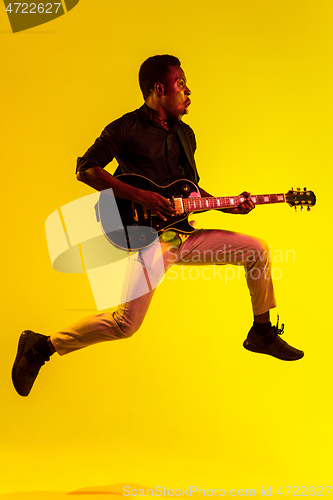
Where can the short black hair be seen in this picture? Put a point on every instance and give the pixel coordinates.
(155, 69)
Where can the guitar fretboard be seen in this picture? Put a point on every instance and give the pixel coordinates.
(193, 204)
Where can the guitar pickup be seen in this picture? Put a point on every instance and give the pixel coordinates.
(178, 205)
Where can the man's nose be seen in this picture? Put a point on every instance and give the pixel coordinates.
(187, 91)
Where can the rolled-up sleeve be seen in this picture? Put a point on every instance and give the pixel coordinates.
(108, 145)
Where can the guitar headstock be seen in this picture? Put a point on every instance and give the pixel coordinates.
(297, 198)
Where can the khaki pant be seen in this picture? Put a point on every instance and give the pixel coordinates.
(146, 269)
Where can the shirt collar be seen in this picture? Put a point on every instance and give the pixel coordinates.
(145, 116)
(144, 113)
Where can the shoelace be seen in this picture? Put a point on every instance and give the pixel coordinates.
(278, 330)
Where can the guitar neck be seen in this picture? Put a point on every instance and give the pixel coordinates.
(196, 204)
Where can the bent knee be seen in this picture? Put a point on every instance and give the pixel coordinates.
(260, 251)
(263, 246)
(260, 246)
(126, 332)
(125, 328)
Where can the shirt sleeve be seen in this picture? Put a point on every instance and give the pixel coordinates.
(108, 145)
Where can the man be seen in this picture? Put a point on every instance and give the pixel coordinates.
(154, 142)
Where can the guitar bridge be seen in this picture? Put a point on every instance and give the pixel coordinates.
(178, 205)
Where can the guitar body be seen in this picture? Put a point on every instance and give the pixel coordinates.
(137, 228)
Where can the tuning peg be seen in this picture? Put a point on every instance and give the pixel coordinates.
(295, 208)
(298, 189)
(305, 189)
(308, 209)
(292, 189)
(301, 208)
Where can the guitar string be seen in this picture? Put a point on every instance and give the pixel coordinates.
(225, 202)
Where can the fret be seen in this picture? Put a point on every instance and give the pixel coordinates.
(277, 198)
(197, 203)
(268, 198)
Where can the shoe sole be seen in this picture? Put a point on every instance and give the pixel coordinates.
(261, 350)
(19, 353)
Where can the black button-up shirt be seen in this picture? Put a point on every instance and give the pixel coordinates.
(143, 146)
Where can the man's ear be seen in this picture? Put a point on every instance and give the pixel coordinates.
(159, 88)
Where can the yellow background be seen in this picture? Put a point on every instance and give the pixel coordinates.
(181, 402)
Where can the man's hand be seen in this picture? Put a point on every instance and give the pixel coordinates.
(243, 208)
(156, 203)
(100, 179)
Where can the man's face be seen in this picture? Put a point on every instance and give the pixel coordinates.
(175, 100)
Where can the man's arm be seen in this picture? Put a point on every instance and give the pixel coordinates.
(244, 208)
(100, 179)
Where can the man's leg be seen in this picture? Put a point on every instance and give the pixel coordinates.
(144, 272)
(219, 247)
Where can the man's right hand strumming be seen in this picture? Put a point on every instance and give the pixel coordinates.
(100, 179)
(156, 203)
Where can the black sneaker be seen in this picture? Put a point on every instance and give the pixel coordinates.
(27, 363)
(272, 344)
